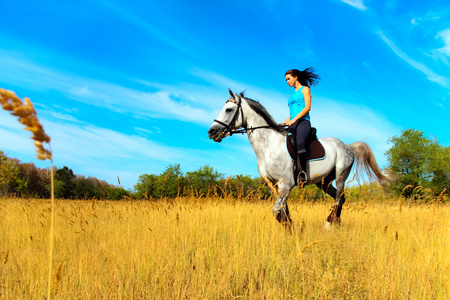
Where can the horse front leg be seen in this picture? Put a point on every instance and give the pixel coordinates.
(280, 209)
(281, 212)
(280, 192)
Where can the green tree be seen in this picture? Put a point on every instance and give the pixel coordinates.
(418, 161)
(9, 171)
(33, 181)
(59, 190)
(22, 187)
(116, 193)
(67, 177)
(439, 167)
(172, 181)
(203, 180)
(241, 186)
(147, 186)
(87, 187)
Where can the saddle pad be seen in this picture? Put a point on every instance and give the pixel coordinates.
(316, 150)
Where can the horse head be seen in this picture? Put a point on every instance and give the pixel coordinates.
(230, 118)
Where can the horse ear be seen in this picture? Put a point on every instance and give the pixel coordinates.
(231, 93)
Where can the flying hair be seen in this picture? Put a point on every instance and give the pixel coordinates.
(307, 77)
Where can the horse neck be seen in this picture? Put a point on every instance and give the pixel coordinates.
(261, 139)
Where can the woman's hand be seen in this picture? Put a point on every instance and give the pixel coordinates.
(288, 123)
(285, 123)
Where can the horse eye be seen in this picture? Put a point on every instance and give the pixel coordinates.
(228, 110)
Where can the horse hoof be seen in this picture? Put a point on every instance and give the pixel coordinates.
(327, 226)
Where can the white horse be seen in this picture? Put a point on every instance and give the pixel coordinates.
(274, 163)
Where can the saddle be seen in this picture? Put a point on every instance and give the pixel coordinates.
(314, 148)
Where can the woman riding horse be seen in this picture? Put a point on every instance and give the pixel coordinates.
(299, 107)
(268, 140)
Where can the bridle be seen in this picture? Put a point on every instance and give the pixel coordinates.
(230, 126)
(243, 130)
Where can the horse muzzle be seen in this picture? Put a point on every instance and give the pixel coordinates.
(216, 134)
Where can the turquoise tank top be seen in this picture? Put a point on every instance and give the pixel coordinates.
(296, 104)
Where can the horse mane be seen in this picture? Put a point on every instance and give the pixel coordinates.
(261, 110)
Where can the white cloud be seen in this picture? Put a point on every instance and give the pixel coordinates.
(431, 75)
(82, 142)
(356, 4)
(143, 132)
(445, 36)
(16, 142)
(163, 104)
(444, 52)
(430, 17)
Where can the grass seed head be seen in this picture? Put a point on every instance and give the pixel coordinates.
(27, 116)
(308, 246)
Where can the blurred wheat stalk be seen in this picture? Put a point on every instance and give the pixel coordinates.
(27, 115)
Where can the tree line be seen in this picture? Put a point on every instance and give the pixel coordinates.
(28, 181)
(417, 164)
(204, 182)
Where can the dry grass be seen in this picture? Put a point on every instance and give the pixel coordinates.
(223, 249)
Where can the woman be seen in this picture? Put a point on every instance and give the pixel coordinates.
(299, 107)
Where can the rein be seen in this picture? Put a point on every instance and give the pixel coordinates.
(233, 121)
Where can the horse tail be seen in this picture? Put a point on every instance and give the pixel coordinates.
(365, 161)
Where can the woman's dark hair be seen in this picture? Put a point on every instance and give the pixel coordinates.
(307, 77)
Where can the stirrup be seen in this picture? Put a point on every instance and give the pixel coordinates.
(302, 177)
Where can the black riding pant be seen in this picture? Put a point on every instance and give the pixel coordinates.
(302, 129)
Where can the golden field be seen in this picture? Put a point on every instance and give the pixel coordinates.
(194, 248)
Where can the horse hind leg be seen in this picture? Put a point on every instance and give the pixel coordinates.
(336, 193)
(326, 187)
(335, 215)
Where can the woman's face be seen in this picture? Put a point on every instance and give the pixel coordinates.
(291, 80)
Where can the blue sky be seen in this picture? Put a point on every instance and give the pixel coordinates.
(128, 87)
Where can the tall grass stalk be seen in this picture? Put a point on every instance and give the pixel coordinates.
(27, 115)
(51, 235)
